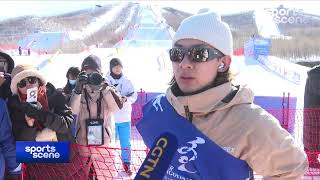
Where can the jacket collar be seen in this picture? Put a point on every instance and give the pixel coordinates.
(209, 100)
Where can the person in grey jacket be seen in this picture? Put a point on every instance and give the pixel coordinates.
(123, 117)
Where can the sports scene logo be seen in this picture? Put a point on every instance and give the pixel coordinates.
(283, 15)
(43, 152)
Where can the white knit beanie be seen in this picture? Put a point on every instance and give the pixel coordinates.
(207, 27)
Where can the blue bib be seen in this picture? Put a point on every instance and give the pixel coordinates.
(197, 157)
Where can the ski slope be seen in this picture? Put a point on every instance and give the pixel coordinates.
(145, 58)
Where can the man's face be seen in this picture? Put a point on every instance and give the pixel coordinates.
(3, 64)
(193, 76)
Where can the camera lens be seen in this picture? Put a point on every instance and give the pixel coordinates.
(95, 78)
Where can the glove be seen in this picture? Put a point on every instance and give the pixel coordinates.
(33, 110)
(81, 80)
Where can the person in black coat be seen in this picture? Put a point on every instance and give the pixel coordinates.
(48, 118)
(311, 122)
(50, 113)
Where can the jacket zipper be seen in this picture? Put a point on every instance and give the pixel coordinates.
(188, 113)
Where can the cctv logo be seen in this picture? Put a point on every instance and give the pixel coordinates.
(42, 152)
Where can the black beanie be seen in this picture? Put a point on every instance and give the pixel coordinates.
(114, 62)
(73, 71)
(9, 61)
(91, 62)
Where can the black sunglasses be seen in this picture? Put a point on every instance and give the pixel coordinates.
(197, 54)
(30, 79)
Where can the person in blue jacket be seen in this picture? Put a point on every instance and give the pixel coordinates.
(7, 146)
(122, 117)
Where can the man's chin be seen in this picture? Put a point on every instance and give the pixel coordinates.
(187, 90)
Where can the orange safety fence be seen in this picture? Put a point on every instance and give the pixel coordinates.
(105, 162)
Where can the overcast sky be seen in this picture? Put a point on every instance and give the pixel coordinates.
(227, 7)
(43, 7)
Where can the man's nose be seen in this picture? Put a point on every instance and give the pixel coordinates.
(186, 62)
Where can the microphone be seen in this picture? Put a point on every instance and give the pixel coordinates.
(159, 158)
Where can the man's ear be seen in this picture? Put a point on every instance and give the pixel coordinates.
(225, 63)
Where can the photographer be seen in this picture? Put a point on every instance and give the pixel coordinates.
(94, 101)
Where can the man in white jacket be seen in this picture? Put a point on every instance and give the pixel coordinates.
(123, 117)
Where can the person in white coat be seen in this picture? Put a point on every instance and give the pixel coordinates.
(123, 117)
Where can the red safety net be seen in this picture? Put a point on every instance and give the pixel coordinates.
(105, 162)
(86, 162)
(137, 107)
(304, 125)
(311, 140)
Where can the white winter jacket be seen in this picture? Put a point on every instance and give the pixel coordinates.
(125, 87)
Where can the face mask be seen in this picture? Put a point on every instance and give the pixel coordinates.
(72, 81)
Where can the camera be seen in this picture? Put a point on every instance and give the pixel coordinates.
(95, 78)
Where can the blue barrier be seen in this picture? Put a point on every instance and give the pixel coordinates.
(44, 41)
(256, 47)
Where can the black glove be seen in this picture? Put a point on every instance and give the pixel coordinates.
(81, 80)
(33, 110)
(45, 118)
